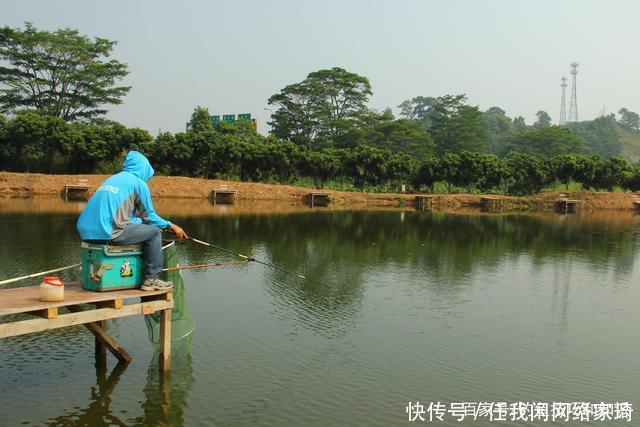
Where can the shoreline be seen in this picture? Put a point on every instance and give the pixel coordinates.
(24, 185)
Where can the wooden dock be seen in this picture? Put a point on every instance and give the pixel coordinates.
(318, 199)
(91, 309)
(491, 204)
(424, 202)
(223, 196)
(566, 206)
(76, 192)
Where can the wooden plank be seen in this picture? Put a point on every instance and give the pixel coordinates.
(26, 299)
(102, 335)
(64, 320)
(165, 340)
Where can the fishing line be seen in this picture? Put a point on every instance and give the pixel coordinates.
(275, 267)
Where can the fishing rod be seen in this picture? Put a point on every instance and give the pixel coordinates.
(275, 267)
(42, 273)
(211, 264)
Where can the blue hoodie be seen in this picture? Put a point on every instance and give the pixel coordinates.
(115, 202)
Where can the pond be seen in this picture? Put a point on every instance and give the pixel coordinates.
(399, 307)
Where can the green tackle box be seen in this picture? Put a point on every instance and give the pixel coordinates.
(110, 268)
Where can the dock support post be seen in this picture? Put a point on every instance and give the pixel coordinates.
(100, 348)
(165, 340)
(104, 338)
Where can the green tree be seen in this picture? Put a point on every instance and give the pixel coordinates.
(544, 120)
(607, 174)
(631, 180)
(470, 169)
(406, 109)
(400, 136)
(322, 166)
(528, 174)
(629, 120)
(600, 136)
(547, 141)
(366, 165)
(427, 174)
(324, 106)
(458, 127)
(200, 120)
(400, 168)
(498, 125)
(420, 109)
(62, 74)
(519, 123)
(7, 150)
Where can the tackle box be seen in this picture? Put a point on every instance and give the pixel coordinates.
(110, 268)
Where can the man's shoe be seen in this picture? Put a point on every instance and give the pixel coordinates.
(156, 285)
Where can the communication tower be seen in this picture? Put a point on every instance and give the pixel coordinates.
(563, 103)
(573, 107)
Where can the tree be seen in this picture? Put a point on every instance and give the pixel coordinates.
(7, 151)
(366, 165)
(570, 167)
(608, 174)
(544, 120)
(480, 170)
(548, 141)
(427, 173)
(631, 180)
(62, 74)
(458, 127)
(200, 120)
(519, 123)
(406, 109)
(529, 174)
(629, 120)
(600, 136)
(322, 165)
(420, 109)
(498, 125)
(400, 136)
(324, 106)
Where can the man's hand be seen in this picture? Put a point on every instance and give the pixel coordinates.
(178, 231)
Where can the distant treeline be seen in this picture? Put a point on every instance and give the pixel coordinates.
(30, 142)
(56, 86)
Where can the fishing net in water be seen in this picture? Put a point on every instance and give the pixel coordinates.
(182, 324)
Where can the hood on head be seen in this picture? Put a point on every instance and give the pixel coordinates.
(137, 164)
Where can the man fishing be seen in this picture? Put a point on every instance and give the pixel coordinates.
(110, 217)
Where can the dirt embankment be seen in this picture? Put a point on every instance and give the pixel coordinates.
(164, 187)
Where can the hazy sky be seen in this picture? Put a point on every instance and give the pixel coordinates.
(231, 56)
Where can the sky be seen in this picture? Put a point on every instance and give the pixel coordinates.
(232, 56)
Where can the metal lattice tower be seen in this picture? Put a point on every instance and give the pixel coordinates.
(563, 103)
(573, 106)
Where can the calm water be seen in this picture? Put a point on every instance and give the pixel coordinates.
(405, 306)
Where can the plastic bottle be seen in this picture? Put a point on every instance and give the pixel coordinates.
(51, 289)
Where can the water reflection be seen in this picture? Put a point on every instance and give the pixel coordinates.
(166, 396)
(99, 409)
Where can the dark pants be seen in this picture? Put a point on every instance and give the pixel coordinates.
(150, 238)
